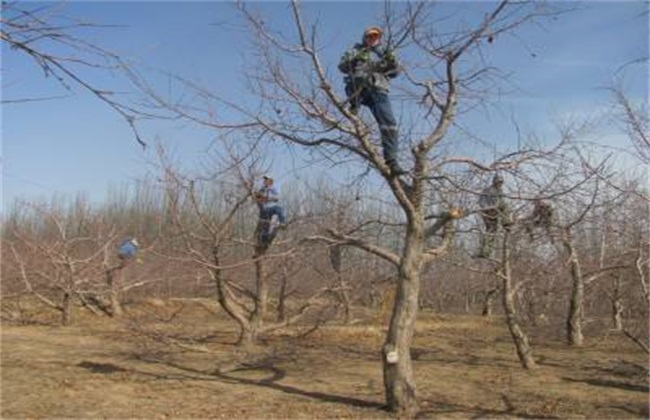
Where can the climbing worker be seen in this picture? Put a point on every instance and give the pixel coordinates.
(543, 216)
(494, 211)
(128, 250)
(368, 68)
(268, 198)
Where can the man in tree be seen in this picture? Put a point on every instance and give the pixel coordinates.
(542, 217)
(368, 69)
(495, 212)
(127, 251)
(268, 198)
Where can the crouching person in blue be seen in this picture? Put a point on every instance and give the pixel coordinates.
(268, 201)
(127, 251)
(368, 68)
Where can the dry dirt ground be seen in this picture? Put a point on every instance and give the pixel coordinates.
(178, 359)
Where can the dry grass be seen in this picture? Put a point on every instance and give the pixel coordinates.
(465, 368)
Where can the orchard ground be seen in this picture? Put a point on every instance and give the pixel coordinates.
(178, 358)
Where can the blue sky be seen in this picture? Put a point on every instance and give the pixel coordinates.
(77, 144)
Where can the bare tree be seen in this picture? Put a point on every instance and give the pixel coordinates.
(508, 291)
(634, 119)
(58, 257)
(213, 220)
(303, 108)
(51, 38)
(322, 107)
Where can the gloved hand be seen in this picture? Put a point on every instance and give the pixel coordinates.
(390, 57)
(361, 57)
(388, 62)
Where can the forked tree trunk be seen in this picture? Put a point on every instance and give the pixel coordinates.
(399, 382)
(522, 344)
(247, 336)
(574, 318)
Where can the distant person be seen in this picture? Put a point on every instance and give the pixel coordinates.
(268, 201)
(494, 212)
(368, 68)
(542, 217)
(128, 250)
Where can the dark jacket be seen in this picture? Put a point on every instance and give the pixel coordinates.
(369, 67)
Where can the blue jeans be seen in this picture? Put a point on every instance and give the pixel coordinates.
(380, 106)
(267, 213)
(266, 236)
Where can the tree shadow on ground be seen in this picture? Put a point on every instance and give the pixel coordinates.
(448, 410)
(641, 411)
(273, 373)
(443, 410)
(612, 384)
(432, 355)
(277, 374)
(104, 368)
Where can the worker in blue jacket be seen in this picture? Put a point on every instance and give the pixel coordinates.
(128, 249)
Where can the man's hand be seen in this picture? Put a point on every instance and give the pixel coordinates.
(361, 57)
(390, 57)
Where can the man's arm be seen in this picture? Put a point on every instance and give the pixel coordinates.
(273, 195)
(389, 65)
(348, 61)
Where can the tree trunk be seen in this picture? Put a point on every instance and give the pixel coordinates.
(617, 309)
(66, 308)
(489, 301)
(229, 304)
(574, 319)
(375, 296)
(344, 296)
(336, 261)
(617, 306)
(113, 290)
(398, 371)
(247, 337)
(282, 300)
(261, 294)
(524, 350)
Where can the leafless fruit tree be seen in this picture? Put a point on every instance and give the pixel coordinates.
(298, 103)
(310, 113)
(60, 258)
(214, 217)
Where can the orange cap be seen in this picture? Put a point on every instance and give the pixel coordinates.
(373, 30)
